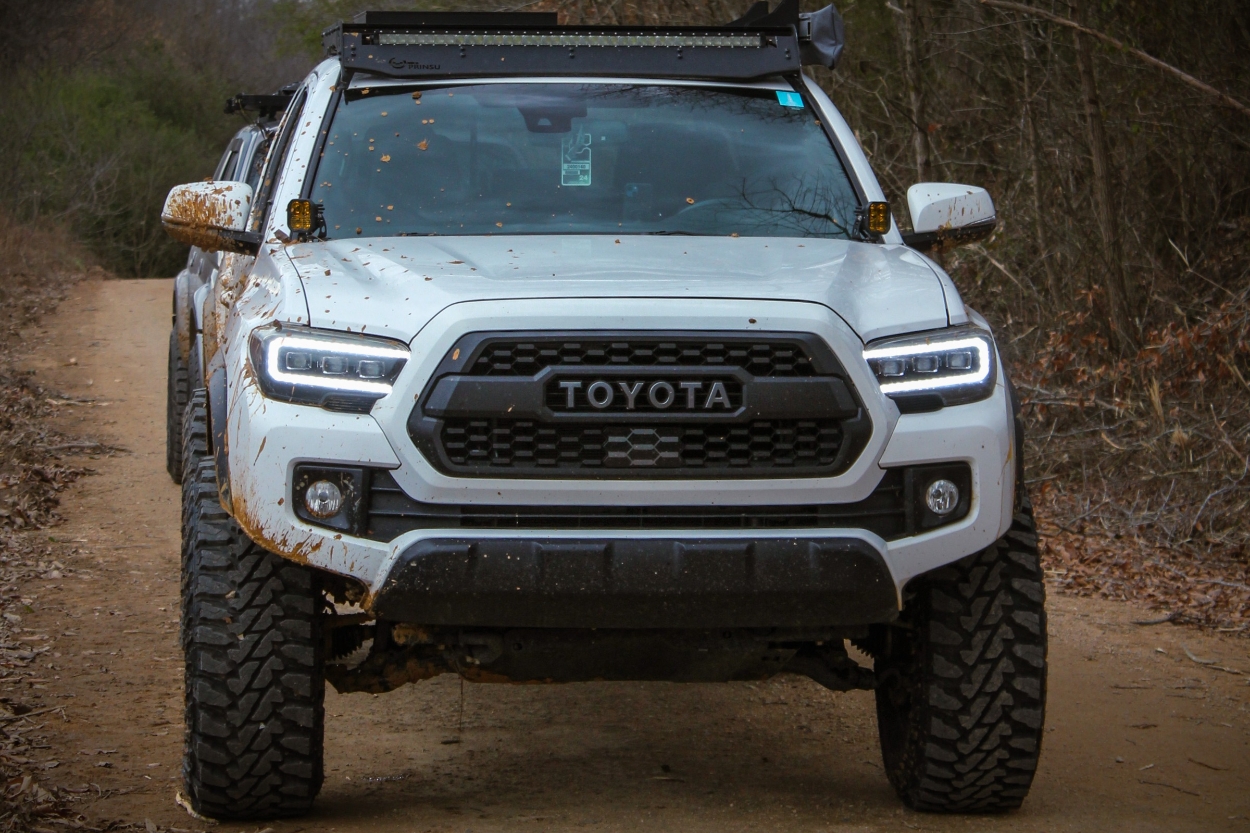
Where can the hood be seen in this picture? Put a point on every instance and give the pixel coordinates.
(394, 286)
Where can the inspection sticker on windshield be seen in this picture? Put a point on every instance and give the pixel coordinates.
(789, 99)
(575, 159)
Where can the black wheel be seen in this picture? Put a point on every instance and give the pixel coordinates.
(175, 406)
(255, 683)
(961, 693)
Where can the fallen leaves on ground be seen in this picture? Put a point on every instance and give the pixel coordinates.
(33, 473)
(1186, 586)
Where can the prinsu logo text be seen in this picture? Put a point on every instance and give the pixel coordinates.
(691, 396)
(401, 63)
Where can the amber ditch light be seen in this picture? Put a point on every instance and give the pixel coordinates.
(299, 216)
(878, 217)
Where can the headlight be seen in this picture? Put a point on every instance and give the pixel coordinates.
(338, 371)
(927, 372)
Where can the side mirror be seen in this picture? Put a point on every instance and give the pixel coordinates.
(211, 215)
(944, 216)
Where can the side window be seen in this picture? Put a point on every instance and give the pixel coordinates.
(225, 168)
(257, 163)
(274, 160)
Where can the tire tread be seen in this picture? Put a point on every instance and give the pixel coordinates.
(176, 398)
(961, 705)
(251, 638)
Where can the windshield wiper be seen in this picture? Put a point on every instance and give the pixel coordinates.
(674, 233)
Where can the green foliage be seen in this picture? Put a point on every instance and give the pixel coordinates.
(299, 23)
(98, 149)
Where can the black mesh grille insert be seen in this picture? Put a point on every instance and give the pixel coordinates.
(391, 513)
(528, 357)
(489, 443)
(645, 404)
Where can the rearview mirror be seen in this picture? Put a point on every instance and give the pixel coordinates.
(211, 215)
(944, 216)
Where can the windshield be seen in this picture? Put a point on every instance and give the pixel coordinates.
(580, 159)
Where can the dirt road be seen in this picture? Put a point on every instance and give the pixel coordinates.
(1140, 736)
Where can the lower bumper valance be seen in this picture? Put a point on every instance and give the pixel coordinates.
(639, 583)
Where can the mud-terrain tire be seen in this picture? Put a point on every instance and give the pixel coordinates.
(961, 692)
(176, 395)
(198, 484)
(255, 684)
(193, 441)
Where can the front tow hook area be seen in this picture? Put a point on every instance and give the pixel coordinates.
(832, 667)
(386, 655)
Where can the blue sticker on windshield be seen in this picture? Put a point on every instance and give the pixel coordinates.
(789, 99)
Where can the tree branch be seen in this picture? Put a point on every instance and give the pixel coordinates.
(1023, 8)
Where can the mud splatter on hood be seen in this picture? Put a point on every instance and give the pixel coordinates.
(393, 286)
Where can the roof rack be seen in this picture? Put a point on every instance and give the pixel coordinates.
(266, 107)
(422, 45)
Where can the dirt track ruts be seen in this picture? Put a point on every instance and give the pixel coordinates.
(1139, 736)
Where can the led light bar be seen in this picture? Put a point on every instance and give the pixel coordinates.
(566, 39)
(425, 45)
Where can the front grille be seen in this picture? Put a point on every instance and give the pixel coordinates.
(640, 405)
(485, 443)
(529, 356)
(391, 513)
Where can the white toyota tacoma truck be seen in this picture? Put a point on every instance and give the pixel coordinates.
(546, 354)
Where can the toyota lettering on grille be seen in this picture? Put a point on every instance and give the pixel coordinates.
(632, 395)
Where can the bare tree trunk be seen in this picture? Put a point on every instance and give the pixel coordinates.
(1118, 297)
(907, 19)
(1035, 165)
(1227, 99)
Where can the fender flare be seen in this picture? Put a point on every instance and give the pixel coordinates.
(219, 445)
(1017, 439)
(181, 318)
(195, 359)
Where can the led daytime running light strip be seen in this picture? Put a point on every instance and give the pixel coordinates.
(276, 373)
(555, 39)
(980, 345)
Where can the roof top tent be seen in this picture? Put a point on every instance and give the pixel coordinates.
(487, 44)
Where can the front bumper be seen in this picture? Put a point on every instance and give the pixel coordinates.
(268, 439)
(647, 582)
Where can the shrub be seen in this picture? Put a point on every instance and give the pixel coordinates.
(96, 150)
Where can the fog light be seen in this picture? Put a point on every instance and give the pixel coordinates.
(324, 500)
(942, 497)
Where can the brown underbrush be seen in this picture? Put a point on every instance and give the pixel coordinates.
(1140, 466)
